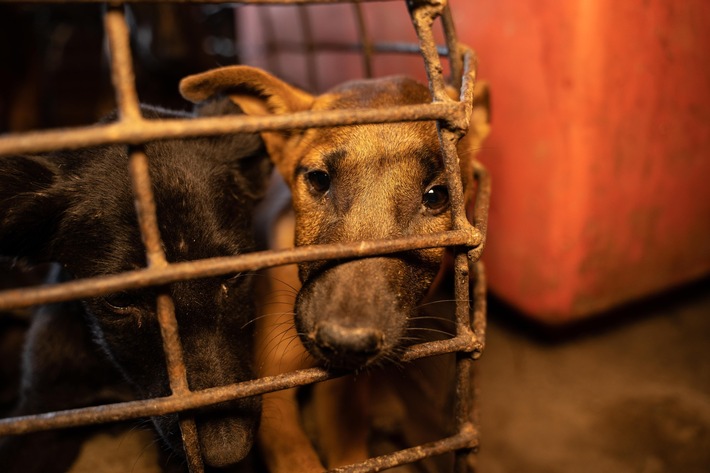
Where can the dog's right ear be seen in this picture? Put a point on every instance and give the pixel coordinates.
(30, 206)
(257, 93)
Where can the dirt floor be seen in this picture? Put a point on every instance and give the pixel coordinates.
(627, 393)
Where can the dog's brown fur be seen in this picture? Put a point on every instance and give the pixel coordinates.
(347, 184)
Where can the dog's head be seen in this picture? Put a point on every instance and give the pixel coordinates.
(77, 208)
(352, 183)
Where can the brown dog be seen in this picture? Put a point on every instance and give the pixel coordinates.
(347, 184)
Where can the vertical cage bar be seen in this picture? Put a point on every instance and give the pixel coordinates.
(122, 75)
(480, 211)
(463, 359)
(423, 15)
(479, 307)
(478, 276)
(463, 405)
(193, 454)
(145, 207)
(177, 373)
(129, 109)
(448, 140)
(364, 38)
(452, 44)
(310, 47)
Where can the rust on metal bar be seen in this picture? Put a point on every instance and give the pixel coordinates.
(123, 80)
(453, 46)
(151, 130)
(194, 399)
(467, 438)
(423, 14)
(145, 208)
(150, 233)
(191, 444)
(478, 318)
(122, 75)
(468, 84)
(177, 372)
(157, 406)
(478, 323)
(463, 405)
(172, 346)
(480, 209)
(98, 286)
(462, 293)
(375, 47)
(448, 140)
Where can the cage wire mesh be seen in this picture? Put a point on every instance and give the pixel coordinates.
(465, 238)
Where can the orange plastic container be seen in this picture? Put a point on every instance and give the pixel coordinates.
(600, 151)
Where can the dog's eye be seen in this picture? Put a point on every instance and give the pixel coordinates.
(232, 281)
(121, 302)
(319, 181)
(436, 199)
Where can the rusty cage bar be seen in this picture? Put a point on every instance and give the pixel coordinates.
(467, 240)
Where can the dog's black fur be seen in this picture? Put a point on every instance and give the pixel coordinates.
(76, 208)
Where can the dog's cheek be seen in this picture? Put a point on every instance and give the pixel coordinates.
(312, 227)
(238, 304)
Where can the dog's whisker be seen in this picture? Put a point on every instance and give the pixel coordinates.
(264, 316)
(434, 318)
(288, 285)
(441, 301)
(430, 330)
(276, 339)
(289, 291)
(143, 450)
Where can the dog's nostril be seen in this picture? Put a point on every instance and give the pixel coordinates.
(359, 340)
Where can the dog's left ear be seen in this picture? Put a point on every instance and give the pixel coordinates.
(30, 206)
(216, 107)
(257, 93)
(245, 150)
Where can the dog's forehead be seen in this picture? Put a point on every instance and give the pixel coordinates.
(201, 210)
(365, 149)
(362, 146)
(374, 93)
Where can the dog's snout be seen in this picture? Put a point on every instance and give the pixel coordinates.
(363, 341)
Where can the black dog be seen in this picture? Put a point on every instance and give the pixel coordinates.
(77, 209)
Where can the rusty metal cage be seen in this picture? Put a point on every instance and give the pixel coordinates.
(467, 239)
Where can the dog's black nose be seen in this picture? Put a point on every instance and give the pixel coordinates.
(357, 341)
